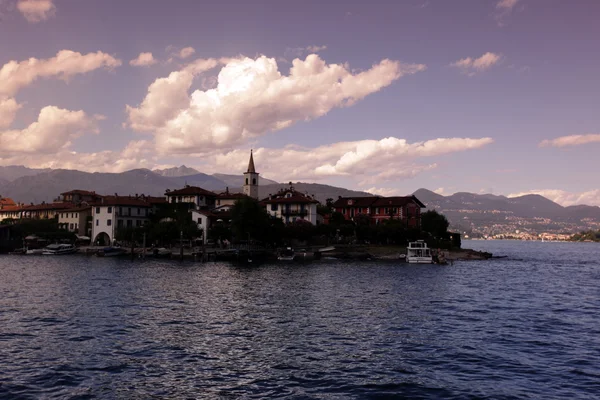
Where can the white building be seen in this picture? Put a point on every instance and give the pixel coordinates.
(205, 219)
(290, 205)
(201, 198)
(115, 212)
(76, 220)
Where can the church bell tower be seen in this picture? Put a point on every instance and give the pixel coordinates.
(251, 179)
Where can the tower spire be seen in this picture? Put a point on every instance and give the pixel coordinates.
(251, 164)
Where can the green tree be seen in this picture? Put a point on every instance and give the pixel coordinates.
(435, 223)
(249, 219)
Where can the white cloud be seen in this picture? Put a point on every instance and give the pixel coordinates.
(143, 60)
(384, 191)
(36, 10)
(16, 75)
(564, 198)
(8, 110)
(137, 154)
(315, 48)
(252, 98)
(470, 66)
(506, 4)
(367, 161)
(186, 52)
(571, 140)
(54, 130)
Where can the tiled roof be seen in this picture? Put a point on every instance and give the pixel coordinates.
(79, 209)
(226, 196)
(81, 192)
(395, 201)
(356, 202)
(155, 199)
(296, 198)
(7, 201)
(48, 206)
(190, 190)
(10, 208)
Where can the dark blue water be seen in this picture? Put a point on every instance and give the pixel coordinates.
(523, 327)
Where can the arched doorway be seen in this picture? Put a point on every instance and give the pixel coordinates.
(102, 239)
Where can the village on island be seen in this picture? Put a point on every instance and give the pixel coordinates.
(195, 222)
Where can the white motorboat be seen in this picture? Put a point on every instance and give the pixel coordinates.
(286, 255)
(34, 252)
(59, 249)
(418, 253)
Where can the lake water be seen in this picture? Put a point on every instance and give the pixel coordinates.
(527, 326)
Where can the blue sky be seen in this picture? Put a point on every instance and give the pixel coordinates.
(499, 80)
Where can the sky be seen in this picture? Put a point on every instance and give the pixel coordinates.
(483, 96)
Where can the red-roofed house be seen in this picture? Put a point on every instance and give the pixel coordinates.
(114, 212)
(291, 205)
(201, 198)
(407, 208)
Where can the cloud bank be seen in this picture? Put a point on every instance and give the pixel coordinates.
(571, 140)
(471, 66)
(36, 10)
(251, 99)
(143, 60)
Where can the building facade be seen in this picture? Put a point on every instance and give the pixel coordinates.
(290, 206)
(115, 212)
(76, 220)
(200, 198)
(377, 209)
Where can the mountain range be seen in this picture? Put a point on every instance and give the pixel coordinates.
(472, 213)
(29, 185)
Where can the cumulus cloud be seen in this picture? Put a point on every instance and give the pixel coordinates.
(36, 10)
(251, 99)
(470, 65)
(367, 161)
(143, 60)
(565, 198)
(53, 130)
(571, 140)
(15, 75)
(8, 110)
(186, 52)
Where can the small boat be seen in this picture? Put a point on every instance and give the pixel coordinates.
(59, 249)
(286, 255)
(418, 253)
(161, 252)
(110, 252)
(18, 252)
(34, 252)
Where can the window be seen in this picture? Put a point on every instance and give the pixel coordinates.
(129, 211)
(199, 221)
(97, 222)
(97, 210)
(254, 181)
(71, 226)
(75, 226)
(120, 210)
(109, 210)
(273, 207)
(246, 181)
(72, 215)
(108, 222)
(139, 211)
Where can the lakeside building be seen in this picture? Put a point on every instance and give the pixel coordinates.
(200, 198)
(377, 208)
(9, 209)
(290, 206)
(116, 212)
(44, 210)
(77, 220)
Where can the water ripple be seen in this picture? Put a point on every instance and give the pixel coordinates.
(521, 327)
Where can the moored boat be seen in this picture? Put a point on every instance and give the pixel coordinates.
(418, 253)
(110, 252)
(59, 249)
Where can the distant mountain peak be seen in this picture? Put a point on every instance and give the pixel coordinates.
(176, 171)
